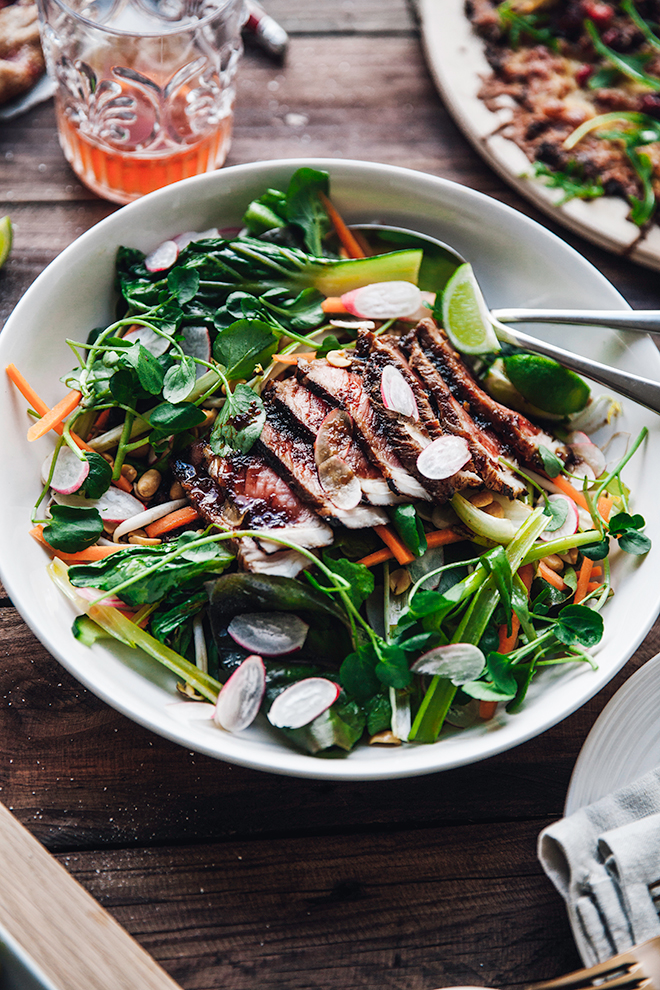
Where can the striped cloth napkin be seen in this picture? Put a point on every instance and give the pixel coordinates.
(605, 862)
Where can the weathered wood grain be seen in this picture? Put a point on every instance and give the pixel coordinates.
(408, 909)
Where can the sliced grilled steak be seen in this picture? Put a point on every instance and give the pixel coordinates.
(284, 444)
(345, 389)
(310, 411)
(243, 492)
(485, 447)
(515, 429)
(407, 437)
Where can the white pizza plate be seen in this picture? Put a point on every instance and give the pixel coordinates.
(455, 55)
(624, 742)
(518, 263)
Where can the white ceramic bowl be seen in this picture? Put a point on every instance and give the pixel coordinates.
(518, 263)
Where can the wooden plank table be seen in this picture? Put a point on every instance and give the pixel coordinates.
(238, 879)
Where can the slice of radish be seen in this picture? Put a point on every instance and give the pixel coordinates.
(196, 343)
(460, 662)
(69, 474)
(589, 453)
(383, 300)
(162, 257)
(302, 702)
(570, 524)
(113, 507)
(334, 436)
(338, 480)
(183, 240)
(152, 341)
(397, 394)
(239, 701)
(443, 458)
(271, 634)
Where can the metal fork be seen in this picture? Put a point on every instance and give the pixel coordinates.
(636, 969)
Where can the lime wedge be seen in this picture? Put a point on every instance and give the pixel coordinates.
(465, 315)
(6, 235)
(547, 384)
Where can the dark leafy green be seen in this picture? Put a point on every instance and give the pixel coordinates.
(239, 424)
(72, 529)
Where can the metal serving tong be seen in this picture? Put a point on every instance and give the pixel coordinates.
(645, 391)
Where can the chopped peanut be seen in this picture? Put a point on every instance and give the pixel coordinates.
(481, 499)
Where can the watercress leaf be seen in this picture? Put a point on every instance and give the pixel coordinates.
(239, 423)
(558, 512)
(622, 522)
(243, 345)
(485, 692)
(195, 551)
(393, 669)
(329, 343)
(578, 624)
(301, 313)
(147, 368)
(416, 643)
(124, 387)
(634, 542)
(99, 477)
(551, 463)
(596, 551)
(183, 283)
(304, 208)
(179, 380)
(500, 672)
(359, 577)
(173, 417)
(72, 529)
(357, 673)
(410, 528)
(379, 713)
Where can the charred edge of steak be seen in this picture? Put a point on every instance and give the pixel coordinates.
(406, 437)
(346, 389)
(485, 448)
(204, 493)
(515, 429)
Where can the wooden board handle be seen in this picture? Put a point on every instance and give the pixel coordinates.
(70, 937)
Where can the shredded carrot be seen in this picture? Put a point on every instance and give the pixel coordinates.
(584, 577)
(37, 402)
(567, 489)
(593, 586)
(596, 572)
(507, 641)
(55, 416)
(102, 419)
(123, 483)
(605, 506)
(81, 557)
(487, 709)
(294, 358)
(440, 537)
(333, 304)
(379, 557)
(181, 517)
(345, 236)
(551, 576)
(396, 544)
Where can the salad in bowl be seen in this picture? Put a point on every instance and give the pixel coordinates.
(298, 471)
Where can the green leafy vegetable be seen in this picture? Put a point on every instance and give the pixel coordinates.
(627, 528)
(304, 208)
(240, 422)
(143, 582)
(578, 624)
(243, 345)
(410, 528)
(571, 179)
(72, 529)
